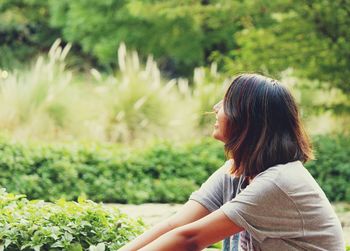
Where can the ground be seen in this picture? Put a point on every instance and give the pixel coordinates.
(153, 213)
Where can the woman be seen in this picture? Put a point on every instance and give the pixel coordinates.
(262, 198)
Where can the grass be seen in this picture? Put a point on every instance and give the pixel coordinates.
(134, 105)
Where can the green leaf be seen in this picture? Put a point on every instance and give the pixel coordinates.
(7, 243)
(37, 247)
(99, 247)
(75, 247)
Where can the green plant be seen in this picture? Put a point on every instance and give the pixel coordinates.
(136, 104)
(331, 168)
(83, 225)
(24, 31)
(161, 172)
(179, 36)
(141, 104)
(31, 100)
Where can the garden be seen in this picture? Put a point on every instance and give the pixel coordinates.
(107, 104)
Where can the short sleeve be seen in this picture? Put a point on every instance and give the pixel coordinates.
(265, 211)
(210, 194)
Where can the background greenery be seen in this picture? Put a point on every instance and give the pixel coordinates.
(303, 43)
(270, 36)
(49, 101)
(108, 99)
(161, 172)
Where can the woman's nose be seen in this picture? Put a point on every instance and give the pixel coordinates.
(217, 106)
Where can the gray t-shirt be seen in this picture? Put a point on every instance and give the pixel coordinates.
(283, 208)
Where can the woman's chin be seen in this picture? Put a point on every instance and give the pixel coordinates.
(217, 136)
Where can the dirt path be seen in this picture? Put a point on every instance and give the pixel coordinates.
(150, 213)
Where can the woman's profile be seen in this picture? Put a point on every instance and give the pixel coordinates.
(262, 198)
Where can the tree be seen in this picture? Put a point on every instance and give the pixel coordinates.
(180, 34)
(24, 30)
(311, 37)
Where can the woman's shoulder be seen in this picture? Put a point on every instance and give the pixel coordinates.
(294, 168)
(292, 178)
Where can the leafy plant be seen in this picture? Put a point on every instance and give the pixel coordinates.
(332, 166)
(83, 225)
(162, 172)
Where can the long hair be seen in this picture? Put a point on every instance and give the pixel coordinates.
(264, 128)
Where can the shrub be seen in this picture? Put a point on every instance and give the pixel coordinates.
(332, 166)
(161, 172)
(39, 225)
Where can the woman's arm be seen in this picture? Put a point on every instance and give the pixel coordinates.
(197, 235)
(190, 212)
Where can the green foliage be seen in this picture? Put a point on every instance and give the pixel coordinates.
(39, 225)
(178, 35)
(49, 102)
(322, 110)
(309, 36)
(159, 173)
(252, 35)
(332, 166)
(24, 31)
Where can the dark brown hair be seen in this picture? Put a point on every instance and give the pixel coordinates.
(264, 127)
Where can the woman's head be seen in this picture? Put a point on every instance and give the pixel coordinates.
(258, 121)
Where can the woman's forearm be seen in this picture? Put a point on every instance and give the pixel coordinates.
(148, 236)
(190, 212)
(175, 240)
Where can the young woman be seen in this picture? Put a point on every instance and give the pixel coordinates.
(262, 198)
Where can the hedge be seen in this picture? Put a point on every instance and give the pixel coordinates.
(72, 226)
(161, 172)
(331, 168)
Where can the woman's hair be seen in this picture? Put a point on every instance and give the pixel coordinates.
(264, 128)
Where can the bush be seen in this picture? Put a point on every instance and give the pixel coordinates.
(331, 168)
(39, 225)
(162, 172)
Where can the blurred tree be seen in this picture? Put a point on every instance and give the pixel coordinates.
(24, 30)
(180, 34)
(312, 37)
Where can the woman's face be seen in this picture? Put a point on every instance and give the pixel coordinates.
(220, 126)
